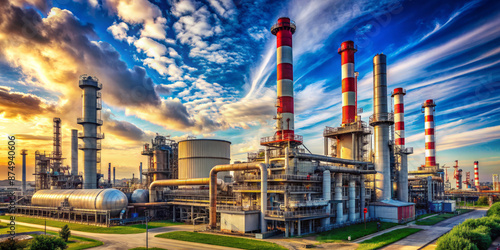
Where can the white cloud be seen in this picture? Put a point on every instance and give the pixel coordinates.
(119, 32)
(155, 28)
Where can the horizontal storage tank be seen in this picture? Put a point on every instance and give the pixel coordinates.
(140, 196)
(197, 157)
(100, 199)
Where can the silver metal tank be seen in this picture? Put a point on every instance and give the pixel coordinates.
(101, 199)
(140, 196)
(197, 157)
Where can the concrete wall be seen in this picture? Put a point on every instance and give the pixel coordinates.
(240, 221)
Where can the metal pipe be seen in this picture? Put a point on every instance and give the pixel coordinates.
(176, 182)
(325, 146)
(352, 200)
(362, 195)
(429, 188)
(327, 195)
(287, 158)
(338, 198)
(140, 173)
(381, 122)
(238, 167)
(114, 175)
(109, 173)
(24, 152)
(74, 152)
(325, 158)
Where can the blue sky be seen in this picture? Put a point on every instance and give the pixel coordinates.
(208, 68)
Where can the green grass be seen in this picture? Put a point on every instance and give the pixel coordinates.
(219, 240)
(470, 204)
(355, 231)
(441, 217)
(387, 238)
(423, 216)
(150, 248)
(131, 229)
(435, 219)
(74, 242)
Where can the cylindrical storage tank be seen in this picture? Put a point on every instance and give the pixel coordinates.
(198, 157)
(101, 199)
(140, 196)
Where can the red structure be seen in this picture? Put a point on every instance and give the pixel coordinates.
(430, 146)
(349, 111)
(283, 30)
(399, 112)
(476, 175)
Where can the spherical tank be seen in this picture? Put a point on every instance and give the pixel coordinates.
(198, 157)
(102, 199)
(140, 196)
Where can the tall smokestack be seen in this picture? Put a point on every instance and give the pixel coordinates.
(74, 152)
(109, 173)
(430, 147)
(347, 51)
(24, 152)
(140, 173)
(399, 139)
(114, 180)
(381, 120)
(283, 30)
(476, 175)
(91, 124)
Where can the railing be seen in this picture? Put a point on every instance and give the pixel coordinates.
(382, 117)
(355, 126)
(89, 120)
(311, 203)
(287, 137)
(97, 135)
(238, 208)
(86, 80)
(279, 188)
(290, 24)
(83, 146)
(280, 213)
(286, 177)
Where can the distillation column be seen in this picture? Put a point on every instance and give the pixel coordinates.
(91, 123)
(74, 152)
(381, 120)
(399, 139)
(283, 30)
(140, 173)
(476, 175)
(352, 199)
(430, 147)
(109, 173)
(114, 175)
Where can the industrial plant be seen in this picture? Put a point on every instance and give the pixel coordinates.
(281, 189)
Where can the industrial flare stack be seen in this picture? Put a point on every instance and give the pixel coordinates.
(430, 146)
(349, 111)
(401, 151)
(283, 30)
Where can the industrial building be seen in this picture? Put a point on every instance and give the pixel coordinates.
(282, 188)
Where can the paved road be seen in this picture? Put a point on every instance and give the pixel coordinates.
(431, 233)
(127, 241)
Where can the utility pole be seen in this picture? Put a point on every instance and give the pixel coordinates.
(147, 217)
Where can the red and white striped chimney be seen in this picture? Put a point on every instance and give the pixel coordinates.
(283, 30)
(430, 146)
(349, 111)
(476, 174)
(399, 112)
